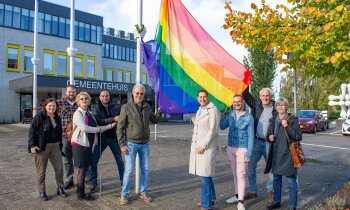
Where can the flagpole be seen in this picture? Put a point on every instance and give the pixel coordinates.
(35, 60)
(138, 79)
(71, 50)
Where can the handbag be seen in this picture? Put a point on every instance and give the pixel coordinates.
(69, 130)
(296, 151)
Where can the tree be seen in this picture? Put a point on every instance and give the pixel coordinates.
(262, 68)
(316, 32)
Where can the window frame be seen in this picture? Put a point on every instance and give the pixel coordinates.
(108, 70)
(123, 76)
(126, 72)
(52, 52)
(27, 48)
(17, 47)
(89, 57)
(82, 66)
(58, 67)
(146, 77)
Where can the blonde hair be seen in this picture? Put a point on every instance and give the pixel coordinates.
(77, 99)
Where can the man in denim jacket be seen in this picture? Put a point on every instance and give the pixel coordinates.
(240, 146)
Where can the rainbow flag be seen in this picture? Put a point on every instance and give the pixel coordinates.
(184, 58)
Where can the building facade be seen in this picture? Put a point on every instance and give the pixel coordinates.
(106, 59)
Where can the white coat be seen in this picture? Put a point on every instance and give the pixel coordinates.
(206, 126)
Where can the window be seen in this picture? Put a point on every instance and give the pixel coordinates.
(128, 76)
(1, 14)
(108, 74)
(25, 19)
(61, 27)
(16, 17)
(79, 65)
(62, 64)
(99, 35)
(87, 32)
(123, 53)
(48, 62)
(31, 20)
(81, 31)
(8, 15)
(40, 22)
(115, 51)
(12, 57)
(127, 53)
(119, 52)
(120, 76)
(111, 51)
(135, 55)
(144, 78)
(47, 24)
(76, 32)
(68, 28)
(28, 55)
(107, 50)
(103, 50)
(131, 58)
(54, 25)
(93, 33)
(91, 67)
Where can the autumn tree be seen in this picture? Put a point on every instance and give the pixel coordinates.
(315, 32)
(262, 68)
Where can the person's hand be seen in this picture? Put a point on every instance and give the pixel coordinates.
(124, 150)
(102, 130)
(34, 150)
(246, 160)
(159, 110)
(226, 111)
(284, 123)
(114, 124)
(200, 150)
(193, 118)
(271, 137)
(116, 119)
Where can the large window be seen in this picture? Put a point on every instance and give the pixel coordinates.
(25, 19)
(28, 55)
(107, 50)
(81, 31)
(111, 51)
(54, 25)
(31, 20)
(108, 74)
(79, 65)
(123, 53)
(144, 78)
(120, 75)
(99, 35)
(47, 24)
(119, 52)
(93, 33)
(115, 52)
(91, 67)
(128, 76)
(48, 61)
(87, 32)
(16, 17)
(68, 28)
(12, 57)
(76, 32)
(127, 54)
(62, 64)
(61, 27)
(8, 15)
(1, 14)
(40, 22)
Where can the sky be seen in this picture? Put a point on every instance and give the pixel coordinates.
(122, 15)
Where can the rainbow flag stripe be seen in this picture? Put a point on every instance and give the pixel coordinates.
(184, 58)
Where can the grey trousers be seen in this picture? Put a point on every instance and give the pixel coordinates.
(52, 153)
(68, 159)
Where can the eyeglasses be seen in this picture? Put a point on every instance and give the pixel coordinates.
(82, 99)
(139, 93)
(281, 105)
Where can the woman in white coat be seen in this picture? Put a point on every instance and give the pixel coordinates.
(204, 148)
(83, 139)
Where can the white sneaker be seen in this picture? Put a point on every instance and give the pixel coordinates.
(240, 206)
(233, 199)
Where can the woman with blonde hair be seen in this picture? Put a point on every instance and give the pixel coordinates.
(85, 127)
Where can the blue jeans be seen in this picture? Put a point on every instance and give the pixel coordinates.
(260, 148)
(144, 154)
(68, 159)
(96, 154)
(208, 192)
(293, 189)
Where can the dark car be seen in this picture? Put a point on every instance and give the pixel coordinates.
(311, 121)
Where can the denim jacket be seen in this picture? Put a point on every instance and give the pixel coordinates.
(241, 132)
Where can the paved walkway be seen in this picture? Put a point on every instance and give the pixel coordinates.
(170, 184)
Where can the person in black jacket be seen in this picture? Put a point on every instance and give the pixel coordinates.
(45, 142)
(106, 113)
(262, 109)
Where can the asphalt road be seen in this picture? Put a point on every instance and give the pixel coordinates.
(172, 187)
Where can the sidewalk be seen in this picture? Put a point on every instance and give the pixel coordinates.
(170, 184)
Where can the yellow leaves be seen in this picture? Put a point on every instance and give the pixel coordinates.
(328, 26)
(334, 59)
(339, 8)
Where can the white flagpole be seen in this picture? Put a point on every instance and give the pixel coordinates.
(71, 50)
(35, 60)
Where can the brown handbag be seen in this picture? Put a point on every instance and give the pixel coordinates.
(69, 130)
(296, 151)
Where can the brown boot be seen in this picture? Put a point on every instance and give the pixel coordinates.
(270, 197)
(250, 195)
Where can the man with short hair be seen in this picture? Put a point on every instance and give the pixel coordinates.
(106, 113)
(133, 134)
(66, 108)
(262, 110)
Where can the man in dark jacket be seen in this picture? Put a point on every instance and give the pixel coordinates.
(133, 134)
(262, 110)
(106, 113)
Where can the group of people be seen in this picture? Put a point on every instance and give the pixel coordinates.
(124, 129)
(262, 132)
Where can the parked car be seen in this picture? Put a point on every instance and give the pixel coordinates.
(311, 121)
(346, 126)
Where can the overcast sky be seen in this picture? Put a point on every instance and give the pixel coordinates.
(122, 15)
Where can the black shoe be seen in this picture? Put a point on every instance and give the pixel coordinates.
(275, 205)
(43, 196)
(93, 187)
(68, 185)
(61, 192)
(82, 195)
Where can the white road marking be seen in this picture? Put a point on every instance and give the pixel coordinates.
(317, 145)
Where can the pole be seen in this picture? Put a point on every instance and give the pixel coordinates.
(155, 111)
(295, 91)
(35, 60)
(138, 79)
(71, 50)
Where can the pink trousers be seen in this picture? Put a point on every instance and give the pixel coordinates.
(238, 167)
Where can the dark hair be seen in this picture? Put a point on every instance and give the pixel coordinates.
(47, 101)
(202, 91)
(71, 86)
(238, 95)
